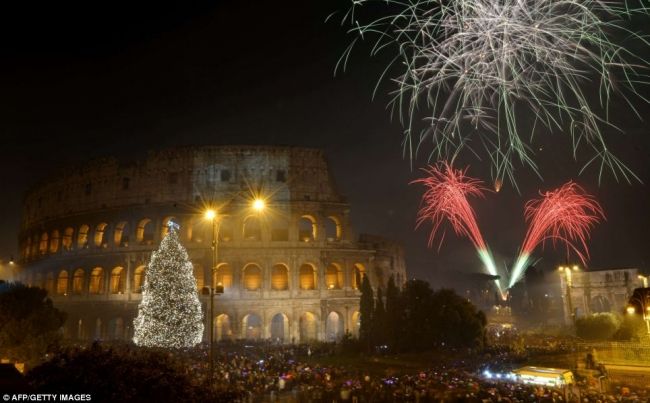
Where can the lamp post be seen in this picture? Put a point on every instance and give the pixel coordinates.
(258, 205)
(211, 290)
(645, 280)
(569, 283)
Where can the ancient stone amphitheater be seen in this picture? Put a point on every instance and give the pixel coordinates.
(290, 272)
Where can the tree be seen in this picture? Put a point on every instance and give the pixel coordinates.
(29, 323)
(417, 330)
(393, 313)
(458, 323)
(599, 326)
(169, 314)
(366, 307)
(379, 320)
(419, 319)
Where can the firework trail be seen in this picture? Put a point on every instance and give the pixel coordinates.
(445, 199)
(470, 67)
(564, 215)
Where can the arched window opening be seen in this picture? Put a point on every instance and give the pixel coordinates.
(42, 247)
(81, 334)
(54, 241)
(307, 276)
(96, 285)
(196, 229)
(117, 329)
(252, 327)
(252, 277)
(165, 227)
(358, 272)
(356, 323)
(62, 283)
(333, 277)
(280, 277)
(98, 329)
(600, 304)
(223, 275)
(27, 248)
(100, 235)
(308, 326)
(307, 229)
(279, 328)
(252, 229)
(78, 281)
(34, 251)
(138, 279)
(198, 275)
(67, 238)
(334, 327)
(50, 285)
(121, 234)
(144, 232)
(117, 280)
(222, 327)
(333, 229)
(225, 229)
(82, 237)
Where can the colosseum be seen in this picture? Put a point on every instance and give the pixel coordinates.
(290, 272)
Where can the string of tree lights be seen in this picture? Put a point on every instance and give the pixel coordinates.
(169, 314)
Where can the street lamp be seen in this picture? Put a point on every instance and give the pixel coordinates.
(645, 280)
(212, 216)
(258, 205)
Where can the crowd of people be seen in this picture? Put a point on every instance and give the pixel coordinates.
(275, 373)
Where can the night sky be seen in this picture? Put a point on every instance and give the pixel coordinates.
(84, 80)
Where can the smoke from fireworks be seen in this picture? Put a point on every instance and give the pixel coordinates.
(445, 199)
(472, 66)
(565, 215)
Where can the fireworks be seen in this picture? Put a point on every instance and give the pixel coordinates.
(472, 68)
(445, 199)
(565, 215)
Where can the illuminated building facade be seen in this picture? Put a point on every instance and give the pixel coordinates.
(290, 272)
(593, 291)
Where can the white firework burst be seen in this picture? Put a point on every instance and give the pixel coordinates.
(470, 69)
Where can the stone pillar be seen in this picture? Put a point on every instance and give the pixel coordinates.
(107, 280)
(295, 326)
(266, 324)
(128, 269)
(322, 334)
(293, 274)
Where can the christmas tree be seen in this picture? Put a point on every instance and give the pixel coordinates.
(169, 314)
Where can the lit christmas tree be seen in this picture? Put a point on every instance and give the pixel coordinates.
(169, 314)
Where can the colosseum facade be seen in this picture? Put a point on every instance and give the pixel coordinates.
(290, 272)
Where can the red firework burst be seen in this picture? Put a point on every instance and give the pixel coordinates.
(445, 198)
(565, 215)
